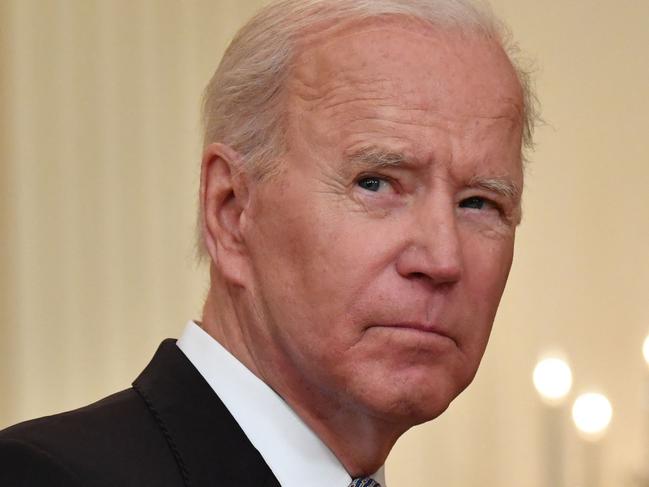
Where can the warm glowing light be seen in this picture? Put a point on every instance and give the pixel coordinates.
(552, 379)
(592, 413)
(645, 349)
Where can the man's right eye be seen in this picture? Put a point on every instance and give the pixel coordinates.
(372, 183)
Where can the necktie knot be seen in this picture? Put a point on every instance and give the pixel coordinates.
(364, 482)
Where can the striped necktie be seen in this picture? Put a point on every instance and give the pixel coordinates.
(364, 482)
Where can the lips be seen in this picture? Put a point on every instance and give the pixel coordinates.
(427, 328)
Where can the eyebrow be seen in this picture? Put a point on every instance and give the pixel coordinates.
(501, 186)
(376, 157)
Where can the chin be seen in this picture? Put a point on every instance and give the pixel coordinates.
(414, 413)
(414, 402)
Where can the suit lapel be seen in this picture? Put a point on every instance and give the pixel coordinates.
(209, 446)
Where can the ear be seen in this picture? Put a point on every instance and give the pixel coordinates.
(223, 198)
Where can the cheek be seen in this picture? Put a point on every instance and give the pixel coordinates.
(488, 258)
(487, 264)
(305, 262)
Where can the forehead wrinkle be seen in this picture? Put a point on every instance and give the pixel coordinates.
(324, 83)
(340, 89)
(377, 102)
(378, 95)
(435, 119)
(317, 85)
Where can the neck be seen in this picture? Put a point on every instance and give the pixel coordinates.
(360, 441)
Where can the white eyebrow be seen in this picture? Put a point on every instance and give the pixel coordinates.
(376, 157)
(501, 186)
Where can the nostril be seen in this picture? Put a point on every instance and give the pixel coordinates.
(418, 275)
(441, 285)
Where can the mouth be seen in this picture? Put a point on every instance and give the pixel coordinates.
(425, 330)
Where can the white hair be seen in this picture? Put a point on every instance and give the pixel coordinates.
(244, 101)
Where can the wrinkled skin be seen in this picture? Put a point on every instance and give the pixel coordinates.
(369, 271)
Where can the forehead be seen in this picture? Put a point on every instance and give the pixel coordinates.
(421, 71)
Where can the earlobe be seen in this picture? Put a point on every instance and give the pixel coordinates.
(223, 198)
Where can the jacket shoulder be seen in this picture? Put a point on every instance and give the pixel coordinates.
(112, 442)
(24, 465)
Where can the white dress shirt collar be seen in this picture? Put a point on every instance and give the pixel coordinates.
(292, 451)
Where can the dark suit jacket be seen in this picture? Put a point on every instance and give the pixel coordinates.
(169, 429)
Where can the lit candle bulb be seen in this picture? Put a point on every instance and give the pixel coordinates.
(552, 379)
(592, 413)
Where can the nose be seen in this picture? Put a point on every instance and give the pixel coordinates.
(433, 251)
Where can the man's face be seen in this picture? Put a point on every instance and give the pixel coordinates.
(380, 253)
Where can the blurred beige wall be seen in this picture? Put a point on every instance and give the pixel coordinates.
(5, 298)
(99, 143)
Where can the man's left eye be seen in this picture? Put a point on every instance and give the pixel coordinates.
(475, 203)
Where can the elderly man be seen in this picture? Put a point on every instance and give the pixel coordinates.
(360, 191)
